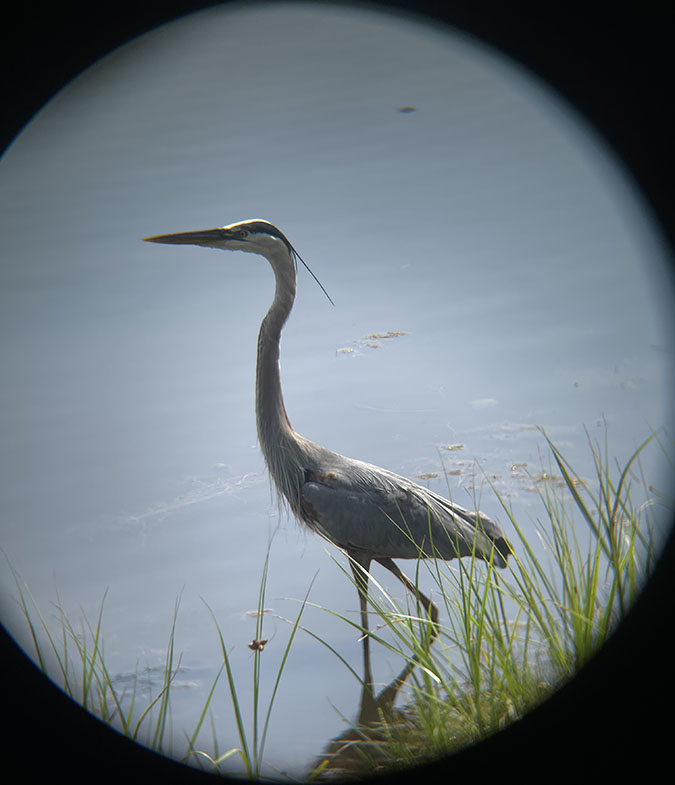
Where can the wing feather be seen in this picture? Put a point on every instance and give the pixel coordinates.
(380, 513)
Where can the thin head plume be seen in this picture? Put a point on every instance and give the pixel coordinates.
(309, 270)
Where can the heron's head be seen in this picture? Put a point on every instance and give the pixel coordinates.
(254, 236)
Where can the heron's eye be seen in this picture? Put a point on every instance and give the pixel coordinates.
(243, 233)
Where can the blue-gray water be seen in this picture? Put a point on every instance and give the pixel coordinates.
(488, 226)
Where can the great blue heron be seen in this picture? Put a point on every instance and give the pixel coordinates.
(370, 513)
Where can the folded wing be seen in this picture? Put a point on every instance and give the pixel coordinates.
(377, 512)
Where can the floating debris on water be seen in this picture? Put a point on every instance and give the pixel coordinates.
(371, 341)
(389, 334)
(551, 479)
(255, 614)
(452, 446)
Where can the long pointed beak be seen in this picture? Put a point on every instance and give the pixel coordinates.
(201, 237)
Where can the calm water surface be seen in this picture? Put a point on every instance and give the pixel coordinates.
(488, 227)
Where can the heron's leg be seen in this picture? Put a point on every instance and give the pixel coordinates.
(388, 695)
(360, 565)
(430, 607)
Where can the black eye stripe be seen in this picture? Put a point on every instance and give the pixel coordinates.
(262, 226)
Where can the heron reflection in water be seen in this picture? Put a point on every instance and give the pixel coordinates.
(370, 513)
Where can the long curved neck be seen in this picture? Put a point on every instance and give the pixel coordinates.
(274, 428)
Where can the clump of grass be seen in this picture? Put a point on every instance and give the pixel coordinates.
(509, 639)
(252, 743)
(75, 660)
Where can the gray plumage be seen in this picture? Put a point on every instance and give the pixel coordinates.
(369, 512)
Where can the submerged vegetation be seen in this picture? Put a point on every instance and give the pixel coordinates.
(507, 640)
